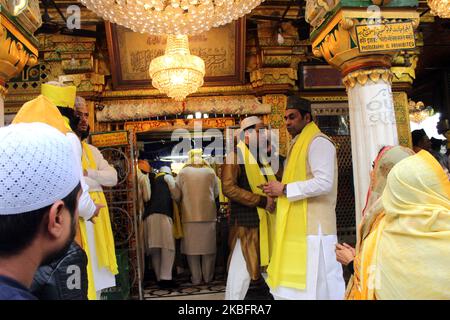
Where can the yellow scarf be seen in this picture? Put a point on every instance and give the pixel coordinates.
(222, 198)
(288, 263)
(255, 178)
(372, 215)
(177, 227)
(104, 239)
(407, 256)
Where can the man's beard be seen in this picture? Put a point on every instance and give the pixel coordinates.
(61, 253)
(84, 134)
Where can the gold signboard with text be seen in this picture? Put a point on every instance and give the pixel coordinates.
(385, 37)
(110, 139)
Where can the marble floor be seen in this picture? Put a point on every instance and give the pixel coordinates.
(186, 290)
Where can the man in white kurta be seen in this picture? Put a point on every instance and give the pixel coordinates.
(324, 276)
(196, 190)
(97, 174)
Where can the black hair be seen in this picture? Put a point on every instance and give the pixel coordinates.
(417, 136)
(304, 113)
(70, 114)
(83, 135)
(17, 231)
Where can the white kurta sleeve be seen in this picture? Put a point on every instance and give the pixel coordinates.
(86, 207)
(105, 174)
(321, 158)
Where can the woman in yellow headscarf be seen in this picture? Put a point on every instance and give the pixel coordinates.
(406, 255)
(387, 158)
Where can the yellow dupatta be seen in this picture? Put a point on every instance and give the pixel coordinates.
(103, 235)
(256, 178)
(288, 263)
(408, 256)
(177, 226)
(373, 213)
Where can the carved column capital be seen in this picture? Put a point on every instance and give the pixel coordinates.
(14, 56)
(340, 41)
(362, 77)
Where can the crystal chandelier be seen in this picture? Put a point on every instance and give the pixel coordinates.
(171, 16)
(440, 8)
(177, 73)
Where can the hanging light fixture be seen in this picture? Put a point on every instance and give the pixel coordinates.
(177, 73)
(440, 8)
(171, 16)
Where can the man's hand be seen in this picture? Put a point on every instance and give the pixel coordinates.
(98, 207)
(270, 206)
(345, 253)
(273, 189)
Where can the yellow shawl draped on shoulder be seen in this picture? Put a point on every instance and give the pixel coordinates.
(288, 263)
(104, 239)
(256, 178)
(407, 255)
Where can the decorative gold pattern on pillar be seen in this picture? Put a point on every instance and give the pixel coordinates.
(276, 118)
(363, 76)
(3, 92)
(13, 56)
(401, 108)
(405, 72)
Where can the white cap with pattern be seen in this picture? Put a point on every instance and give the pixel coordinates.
(165, 169)
(36, 167)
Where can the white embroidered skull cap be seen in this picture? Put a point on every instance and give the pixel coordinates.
(36, 167)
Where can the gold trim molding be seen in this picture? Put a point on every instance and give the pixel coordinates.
(245, 89)
(3, 92)
(171, 125)
(363, 76)
(327, 98)
(13, 56)
(268, 76)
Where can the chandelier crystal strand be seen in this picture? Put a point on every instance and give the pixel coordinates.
(171, 16)
(440, 8)
(177, 73)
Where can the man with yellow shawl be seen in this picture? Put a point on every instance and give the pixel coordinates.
(53, 108)
(197, 188)
(242, 176)
(98, 173)
(405, 255)
(303, 263)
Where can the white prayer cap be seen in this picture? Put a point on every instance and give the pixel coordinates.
(249, 122)
(36, 167)
(79, 101)
(165, 169)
